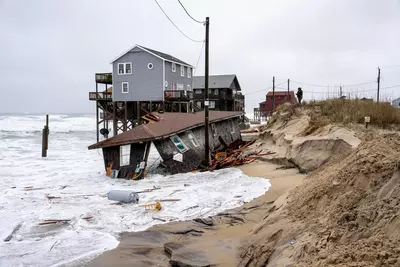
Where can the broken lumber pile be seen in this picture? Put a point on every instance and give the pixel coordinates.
(237, 153)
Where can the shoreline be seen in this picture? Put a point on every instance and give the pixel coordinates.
(214, 240)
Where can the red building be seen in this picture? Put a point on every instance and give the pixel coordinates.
(280, 98)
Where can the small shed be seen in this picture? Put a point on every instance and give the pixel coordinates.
(178, 138)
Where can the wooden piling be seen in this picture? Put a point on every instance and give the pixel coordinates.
(45, 137)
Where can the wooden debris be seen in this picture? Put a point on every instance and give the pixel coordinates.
(167, 200)
(237, 153)
(54, 221)
(30, 188)
(88, 218)
(193, 207)
(10, 236)
(49, 197)
(53, 245)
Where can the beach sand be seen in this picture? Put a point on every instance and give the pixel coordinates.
(197, 243)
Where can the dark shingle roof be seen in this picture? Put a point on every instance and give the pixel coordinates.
(215, 81)
(169, 124)
(165, 56)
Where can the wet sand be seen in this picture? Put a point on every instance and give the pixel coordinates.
(195, 243)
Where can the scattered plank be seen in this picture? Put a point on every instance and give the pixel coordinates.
(167, 200)
(10, 236)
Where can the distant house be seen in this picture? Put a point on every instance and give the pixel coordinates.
(225, 93)
(280, 98)
(178, 138)
(396, 103)
(143, 74)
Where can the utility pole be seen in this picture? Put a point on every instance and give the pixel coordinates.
(288, 87)
(273, 94)
(341, 92)
(379, 84)
(207, 158)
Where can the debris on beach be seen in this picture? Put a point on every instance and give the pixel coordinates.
(123, 196)
(50, 197)
(10, 236)
(54, 221)
(152, 206)
(237, 153)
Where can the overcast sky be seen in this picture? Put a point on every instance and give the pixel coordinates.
(50, 50)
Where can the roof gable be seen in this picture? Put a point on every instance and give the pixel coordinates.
(156, 53)
(216, 81)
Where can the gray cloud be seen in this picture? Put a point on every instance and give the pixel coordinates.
(50, 50)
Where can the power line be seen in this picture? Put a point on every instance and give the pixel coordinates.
(201, 22)
(346, 85)
(198, 60)
(361, 91)
(197, 41)
(276, 86)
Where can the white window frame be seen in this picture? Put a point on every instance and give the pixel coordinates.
(173, 67)
(124, 68)
(125, 155)
(213, 104)
(232, 126)
(189, 72)
(122, 89)
(182, 71)
(193, 139)
(180, 142)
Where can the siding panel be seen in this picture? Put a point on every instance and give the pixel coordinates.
(144, 84)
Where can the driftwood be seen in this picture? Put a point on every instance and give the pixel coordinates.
(54, 221)
(236, 154)
(167, 200)
(10, 236)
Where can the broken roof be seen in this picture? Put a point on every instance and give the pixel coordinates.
(168, 125)
(158, 54)
(216, 81)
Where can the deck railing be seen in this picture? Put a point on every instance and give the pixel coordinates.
(178, 95)
(100, 96)
(104, 78)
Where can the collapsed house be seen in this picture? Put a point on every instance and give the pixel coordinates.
(178, 138)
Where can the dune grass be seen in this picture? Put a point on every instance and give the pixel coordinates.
(342, 111)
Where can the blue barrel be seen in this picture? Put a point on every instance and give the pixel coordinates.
(123, 196)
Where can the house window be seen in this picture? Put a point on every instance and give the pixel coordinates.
(212, 104)
(179, 144)
(121, 68)
(125, 87)
(198, 103)
(232, 126)
(173, 67)
(128, 68)
(189, 88)
(193, 139)
(182, 71)
(189, 72)
(197, 91)
(124, 155)
(213, 129)
(150, 66)
(179, 86)
(215, 91)
(124, 68)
